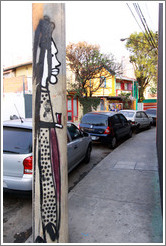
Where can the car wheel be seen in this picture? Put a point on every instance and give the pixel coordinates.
(137, 129)
(113, 143)
(130, 133)
(149, 126)
(88, 154)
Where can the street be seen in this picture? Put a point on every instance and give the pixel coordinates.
(17, 209)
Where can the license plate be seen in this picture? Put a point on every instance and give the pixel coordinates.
(94, 138)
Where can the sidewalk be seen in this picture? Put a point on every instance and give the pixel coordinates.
(119, 200)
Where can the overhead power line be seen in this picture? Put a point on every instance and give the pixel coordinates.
(146, 31)
(144, 23)
(134, 16)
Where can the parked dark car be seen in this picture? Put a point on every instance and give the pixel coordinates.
(153, 113)
(106, 127)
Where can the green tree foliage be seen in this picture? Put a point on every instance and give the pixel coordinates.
(85, 60)
(89, 103)
(125, 99)
(144, 58)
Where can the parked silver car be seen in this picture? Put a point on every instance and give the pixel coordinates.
(17, 152)
(138, 118)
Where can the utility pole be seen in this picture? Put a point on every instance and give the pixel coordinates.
(50, 171)
(160, 102)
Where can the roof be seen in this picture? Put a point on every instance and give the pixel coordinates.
(106, 67)
(125, 78)
(17, 66)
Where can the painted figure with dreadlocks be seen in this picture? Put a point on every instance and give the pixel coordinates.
(46, 151)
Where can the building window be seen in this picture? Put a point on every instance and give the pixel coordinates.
(129, 87)
(118, 86)
(69, 104)
(72, 109)
(102, 104)
(125, 87)
(103, 82)
(75, 107)
(69, 116)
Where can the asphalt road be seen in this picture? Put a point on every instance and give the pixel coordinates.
(17, 209)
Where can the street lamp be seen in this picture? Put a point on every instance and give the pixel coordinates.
(136, 41)
(123, 39)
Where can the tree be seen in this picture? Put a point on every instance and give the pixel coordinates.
(86, 61)
(144, 58)
(126, 99)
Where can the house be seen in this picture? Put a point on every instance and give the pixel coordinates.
(17, 91)
(102, 86)
(125, 85)
(109, 91)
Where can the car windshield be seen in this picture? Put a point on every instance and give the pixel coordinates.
(151, 111)
(127, 114)
(95, 119)
(17, 140)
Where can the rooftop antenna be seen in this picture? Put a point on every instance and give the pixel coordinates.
(18, 114)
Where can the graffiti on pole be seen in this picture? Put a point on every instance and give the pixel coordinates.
(46, 150)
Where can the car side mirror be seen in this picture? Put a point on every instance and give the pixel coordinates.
(84, 134)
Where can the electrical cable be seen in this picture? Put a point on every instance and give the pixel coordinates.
(147, 34)
(137, 21)
(152, 38)
(134, 16)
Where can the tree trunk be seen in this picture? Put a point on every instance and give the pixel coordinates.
(141, 82)
(141, 94)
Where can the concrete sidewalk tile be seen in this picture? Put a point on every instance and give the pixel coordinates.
(108, 221)
(119, 184)
(147, 166)
(125, 164)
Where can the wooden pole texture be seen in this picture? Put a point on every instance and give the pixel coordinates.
(50, 175)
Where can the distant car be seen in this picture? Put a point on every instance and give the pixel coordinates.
(106, 127)
(151, 120)
(138, 118)
(17, 152)
(152, 112)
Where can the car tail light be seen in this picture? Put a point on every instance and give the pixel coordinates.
(133, 122)
(79, 126)
(108, 130)
(27, 163)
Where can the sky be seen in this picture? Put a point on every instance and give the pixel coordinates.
(96, 22)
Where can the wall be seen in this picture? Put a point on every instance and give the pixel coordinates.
(14, 85)
(149, 103)
(10, 102)
(24, 70)
(109, 90)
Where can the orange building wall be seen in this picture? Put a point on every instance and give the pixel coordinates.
(14, 85)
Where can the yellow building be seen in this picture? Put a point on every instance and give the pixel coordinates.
(18, 78)
(103, 84)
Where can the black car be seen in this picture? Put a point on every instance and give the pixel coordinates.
(106, 127)
(152, 112)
